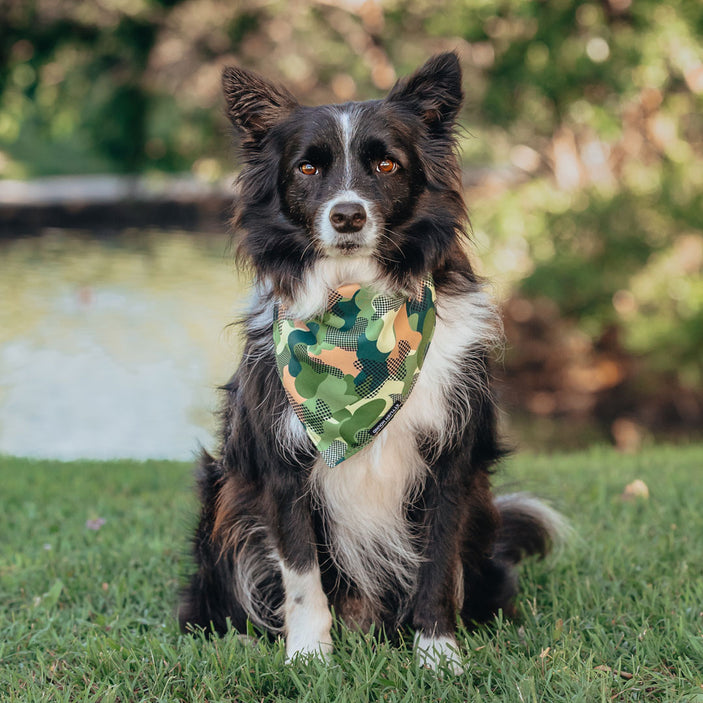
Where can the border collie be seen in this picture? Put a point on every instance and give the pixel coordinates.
(401, 527)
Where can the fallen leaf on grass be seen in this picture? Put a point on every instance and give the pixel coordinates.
(51, 597)
(95, 524)
(622, 674)
(636, 489)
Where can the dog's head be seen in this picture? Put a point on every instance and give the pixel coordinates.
(364, 189)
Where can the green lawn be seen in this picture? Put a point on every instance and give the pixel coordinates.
(87, 614)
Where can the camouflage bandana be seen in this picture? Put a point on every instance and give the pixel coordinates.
(347, 372)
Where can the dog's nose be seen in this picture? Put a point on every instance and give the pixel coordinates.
(348, 217)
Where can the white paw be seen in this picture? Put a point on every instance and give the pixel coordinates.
(308, 620)
(308, 647)
(438, 653)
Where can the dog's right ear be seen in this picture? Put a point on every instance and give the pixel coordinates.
(253, 104)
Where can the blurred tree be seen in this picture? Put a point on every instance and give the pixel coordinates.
(584, 136)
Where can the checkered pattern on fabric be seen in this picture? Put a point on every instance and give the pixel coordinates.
(347, 371)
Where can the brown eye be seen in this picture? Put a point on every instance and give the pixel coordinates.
(308, 169)
(386, 166)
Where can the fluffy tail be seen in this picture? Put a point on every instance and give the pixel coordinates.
(527, 527)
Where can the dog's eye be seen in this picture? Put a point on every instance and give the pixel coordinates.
(386, 166)
(308, 169)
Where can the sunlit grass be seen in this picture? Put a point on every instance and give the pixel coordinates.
(87, 614)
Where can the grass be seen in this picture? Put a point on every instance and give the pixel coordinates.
(87, 614)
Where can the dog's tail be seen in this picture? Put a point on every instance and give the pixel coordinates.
(528, 527)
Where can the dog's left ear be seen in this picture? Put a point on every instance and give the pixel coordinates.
(433, 91)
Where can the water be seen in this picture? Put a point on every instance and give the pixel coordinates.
(114, 348)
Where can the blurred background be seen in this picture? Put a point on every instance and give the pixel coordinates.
(583, 168)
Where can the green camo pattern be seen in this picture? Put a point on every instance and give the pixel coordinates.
(347, 372)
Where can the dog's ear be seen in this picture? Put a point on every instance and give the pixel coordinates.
(433, 91)
(253, 104)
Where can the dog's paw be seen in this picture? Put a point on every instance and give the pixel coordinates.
(307, 616)
(306, 646)
(438, 653)
(308, 633)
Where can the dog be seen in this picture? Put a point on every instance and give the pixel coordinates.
(352, 219)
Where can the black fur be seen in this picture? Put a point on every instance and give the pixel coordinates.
(255, 496)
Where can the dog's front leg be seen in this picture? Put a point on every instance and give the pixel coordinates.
(307, 617)
(435, 604)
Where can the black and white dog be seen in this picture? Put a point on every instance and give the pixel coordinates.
(406, 532)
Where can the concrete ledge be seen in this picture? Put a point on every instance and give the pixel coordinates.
(107, 203)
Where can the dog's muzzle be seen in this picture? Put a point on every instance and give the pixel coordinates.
(348, 217)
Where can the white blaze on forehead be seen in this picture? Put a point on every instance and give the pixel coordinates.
(347, 123)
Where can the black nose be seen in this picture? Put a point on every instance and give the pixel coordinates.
(348, 217)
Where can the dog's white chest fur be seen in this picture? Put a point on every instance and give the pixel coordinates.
(364, 498)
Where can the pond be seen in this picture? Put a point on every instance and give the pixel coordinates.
(115, 347)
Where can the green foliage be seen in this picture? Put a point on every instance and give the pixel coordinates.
(74, 80)
(90, 555)
(610, 102)
(586, 116)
